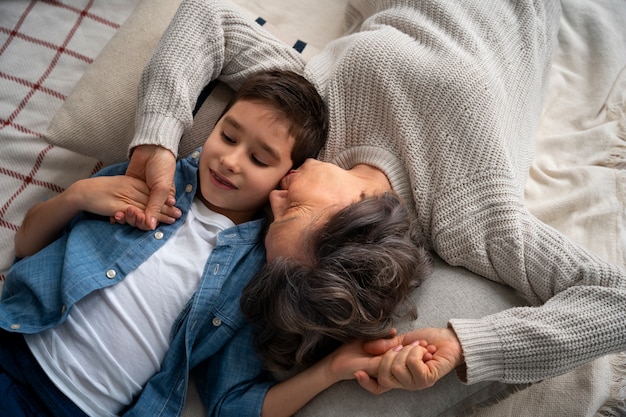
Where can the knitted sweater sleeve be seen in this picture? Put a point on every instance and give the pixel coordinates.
(206, 40)
(474, 215)
(577, 313)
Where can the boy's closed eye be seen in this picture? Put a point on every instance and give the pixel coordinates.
(259, 162)
(227, 138)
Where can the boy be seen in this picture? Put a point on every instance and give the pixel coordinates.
(115, 317)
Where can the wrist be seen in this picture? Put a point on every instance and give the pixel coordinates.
(158, 130)
(151, 147)
(74, 198)
(330, 369)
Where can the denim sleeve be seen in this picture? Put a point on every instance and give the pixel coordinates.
(233, 382)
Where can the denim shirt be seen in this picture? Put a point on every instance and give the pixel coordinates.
(209, 335)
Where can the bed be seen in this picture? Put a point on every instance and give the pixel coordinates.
(68, 70)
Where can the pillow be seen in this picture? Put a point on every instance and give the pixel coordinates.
(97, 120)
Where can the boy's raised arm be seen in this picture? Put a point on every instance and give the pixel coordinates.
(287, 397)
(44, 222)
(104, 196)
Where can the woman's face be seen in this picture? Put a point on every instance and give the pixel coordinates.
(309, 196)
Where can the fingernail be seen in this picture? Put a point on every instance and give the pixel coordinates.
(397, 348)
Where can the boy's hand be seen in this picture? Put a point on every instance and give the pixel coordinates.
(350, 358)
(403, 366)
(104, 196)
(156, 166)
(113, 194)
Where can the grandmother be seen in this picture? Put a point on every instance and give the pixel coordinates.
(440, 101)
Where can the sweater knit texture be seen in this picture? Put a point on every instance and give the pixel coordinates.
(445, 97)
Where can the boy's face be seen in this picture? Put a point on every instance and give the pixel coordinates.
(243, 159)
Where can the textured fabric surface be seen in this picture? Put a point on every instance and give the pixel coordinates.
(44, 49)
(577, 182)
(105, 92)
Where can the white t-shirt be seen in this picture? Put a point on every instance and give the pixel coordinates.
(114, 339)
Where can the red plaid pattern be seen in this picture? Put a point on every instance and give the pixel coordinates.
(45, 46)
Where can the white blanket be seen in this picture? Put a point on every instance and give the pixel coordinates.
(578, 181)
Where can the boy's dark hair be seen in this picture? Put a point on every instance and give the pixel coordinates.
(299, 103)
(364, 262)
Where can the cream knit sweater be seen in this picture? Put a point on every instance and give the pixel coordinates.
(445, 98)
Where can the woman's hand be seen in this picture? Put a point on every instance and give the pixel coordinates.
(350, 358)
(404, 365)
(156, 166)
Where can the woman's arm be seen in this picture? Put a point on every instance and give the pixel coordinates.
(205, 40)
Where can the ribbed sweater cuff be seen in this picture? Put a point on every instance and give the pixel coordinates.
(482, 350)
(156, 129)
(383, 160)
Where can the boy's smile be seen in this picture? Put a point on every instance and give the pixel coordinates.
(221, 182)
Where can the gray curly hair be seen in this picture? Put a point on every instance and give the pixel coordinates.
(363, 264)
